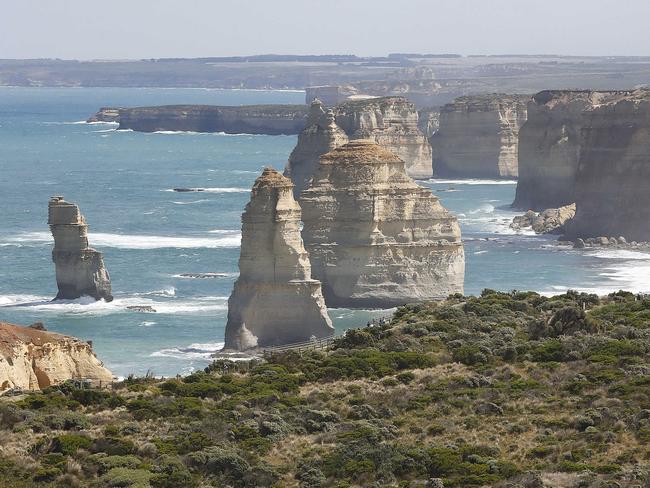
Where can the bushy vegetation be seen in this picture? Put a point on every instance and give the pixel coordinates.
(506, 389)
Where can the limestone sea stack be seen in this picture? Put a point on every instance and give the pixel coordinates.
(320, 136)
(613, 177)
(32, 359)
(549, 147)
(478, 136)
(376, 238)
(80, 269)
(274, 300)
(392, 122)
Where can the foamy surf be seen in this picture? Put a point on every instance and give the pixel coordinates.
(209, 190)
(200, 351)
(469, 181)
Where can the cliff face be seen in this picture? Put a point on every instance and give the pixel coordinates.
(79, 269)
(247, 119)
(478, 135)
(376, 238)
(320, 136)
(275, 300)
(611, 183)
(429, 121)
(33, 359)
(549, 147)
(392, 122)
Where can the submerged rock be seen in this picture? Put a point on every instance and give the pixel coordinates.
(80, 269)
(376, 238)
(33, 359)
(274, 300)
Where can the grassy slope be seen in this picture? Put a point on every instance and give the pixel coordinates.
(501, 390)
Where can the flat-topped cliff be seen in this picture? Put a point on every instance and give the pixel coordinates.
(274, 300)
(80, 269)
(478, 136)
(613, 174)
(376, 238)
(245, 119)
(33, 359)
(549, 147)
(392, 122)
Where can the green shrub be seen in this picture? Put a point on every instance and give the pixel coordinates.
(126, 477)
(70, 443)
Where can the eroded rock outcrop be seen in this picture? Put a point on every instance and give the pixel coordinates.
(274, 300)
(478, 136)
(392, 122)
(320, 136)
(376, 238)
(33, 359)
(550, 221)
(613, 175)
(549, 147)
(80, 269)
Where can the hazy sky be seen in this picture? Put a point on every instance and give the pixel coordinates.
(88, 29)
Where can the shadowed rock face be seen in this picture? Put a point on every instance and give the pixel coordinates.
(80, 269)
(392, 122)
(320, 136)
(613, 176)
(376, 238)
(32, 359)
(549, 147)
(274, 300)
(478, 136)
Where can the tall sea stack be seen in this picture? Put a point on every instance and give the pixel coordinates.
(376, 238)
(80, 269)
(274, 300)
(320, 136)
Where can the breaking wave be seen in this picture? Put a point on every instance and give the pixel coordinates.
(210, 190)
(193, 351)
(470, 181)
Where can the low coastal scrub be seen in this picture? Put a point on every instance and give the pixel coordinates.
(505, 389)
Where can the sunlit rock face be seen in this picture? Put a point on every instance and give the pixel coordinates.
(275, 300)
(392, 122)
(80, 269)
(612, 180)
(32, 359)
(376, 238)
(478, 136)
(320, 136)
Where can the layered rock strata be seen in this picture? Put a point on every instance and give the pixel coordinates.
(320, 136)
(32, 359)
(274, 300)
(549, 147)
(392, 122)
(376, 238)
(613, 175)
(80, 269)
(478, 136)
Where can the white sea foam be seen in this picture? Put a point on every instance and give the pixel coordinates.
(480, 252)
(470, 181)
(485, 208)
(206, 275)
(104, 130)
(126, 241)
(147, 323)
(21, 300)
(192, 202)
(212, 190)
(193, 351)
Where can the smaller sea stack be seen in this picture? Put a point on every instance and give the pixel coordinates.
(80, 269)
(274, 301)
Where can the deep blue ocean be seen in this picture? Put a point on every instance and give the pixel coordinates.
(151, 235)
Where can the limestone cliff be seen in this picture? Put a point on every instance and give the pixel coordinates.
(79, 268)
(376, 238)
(274, 300)
(429, 121)
(32, 359)
(478, 135)
(392, 122)
(613, 175)
(549, 147)
(320, 136)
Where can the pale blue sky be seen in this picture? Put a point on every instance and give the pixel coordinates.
(88, 29)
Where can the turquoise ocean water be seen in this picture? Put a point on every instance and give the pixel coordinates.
(151, 235)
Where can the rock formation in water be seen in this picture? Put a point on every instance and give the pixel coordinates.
(549, 147)
(550, 221)
(478, 136)
(274, 300)
(80, 269)
(245, 119)
(392, 122)
(320, 136)
(613, 177)
(376, 238)
(33, 359)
